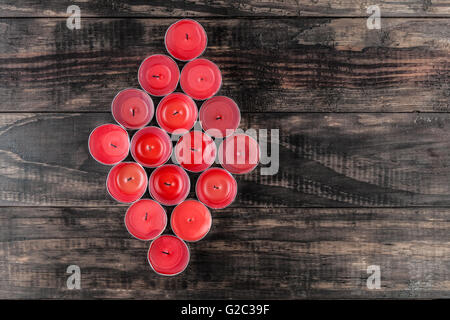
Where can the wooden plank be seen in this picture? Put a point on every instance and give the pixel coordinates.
(325, 160)
(278, 253)
(281, 65)
(246, 8)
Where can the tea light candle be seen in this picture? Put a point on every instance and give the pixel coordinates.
(177, 113)
(195, 151)
(109, 144)
(200, 79)
(132, 108)
(126, 182)
(158, 75)
(169, 184)
(151, 147)
(185, 39)
(168, 255)
(145, 219)
(220, 116)
(216, 188)
(239, 153)
(191, 220)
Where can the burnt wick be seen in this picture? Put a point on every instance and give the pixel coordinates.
(195, 150)
(113, 145)
(215, 187)
(187, 36)
(130, 178)
(175, 113)
(165, 252)
(132, 111)
(155, 76)
(218, 117)
(146, 214)
(167, 184)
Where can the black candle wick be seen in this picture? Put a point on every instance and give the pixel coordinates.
(146, 216)
(130, 178)
(113, 145)
(176, 112)
(218, 117)
(155, 76)
(187, 36)
(165, 252)
(132, 111)
(167, 184)
(195, 150)
(215, 187)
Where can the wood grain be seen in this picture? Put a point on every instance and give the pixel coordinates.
(273, 253)
(325, 160)
(246, 8)
(268, 65)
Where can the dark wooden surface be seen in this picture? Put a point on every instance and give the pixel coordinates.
(364, 150)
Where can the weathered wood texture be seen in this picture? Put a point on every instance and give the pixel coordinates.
(361, 160)
(250, 253)
(236, 8)
(282, 65)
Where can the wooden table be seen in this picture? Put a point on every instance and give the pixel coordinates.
(364, 174)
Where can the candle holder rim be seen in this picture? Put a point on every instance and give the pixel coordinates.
(165, 37)
(140, 197)
(107, 164)
(165, 219)
(178, 69)
(188, 187)
(188, 257)
(133, 128)
(210, 225)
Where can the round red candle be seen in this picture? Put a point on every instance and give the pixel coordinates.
(132, 108)
(109, 144)
(195, 151)
(169, 184)
(185, 39)
(177, 113)
(191, 220)
(158, 75)
(220, 116)
(200, 79)
(145, 219)
(216, 188)
(168, 255)
(151, 147)
(126, 182)
(239, 153)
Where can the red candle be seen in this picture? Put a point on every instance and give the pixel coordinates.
(168, 255)
(195, 151)
(169, 184)
(126, 182)
(220, 116)
(191, 220)
(158, 75)
(239, 153)
(145, 219)
(185, 39)
(200, 79)
(216, 188)
(151, 147)
(132, 108)
(109, 144)
(177, 113)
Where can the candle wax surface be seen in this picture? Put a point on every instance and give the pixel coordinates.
(145, 219)
(200, 79)
(109, 144)
(239, 153)
(220, 116)
(127, 182)
(185, 39)
(151, 147)
(177, 113)
(168, 255)
(158, 75)
(216, 188)
(132, 108)
(195, 151)
(169, 184)
(191, 220)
